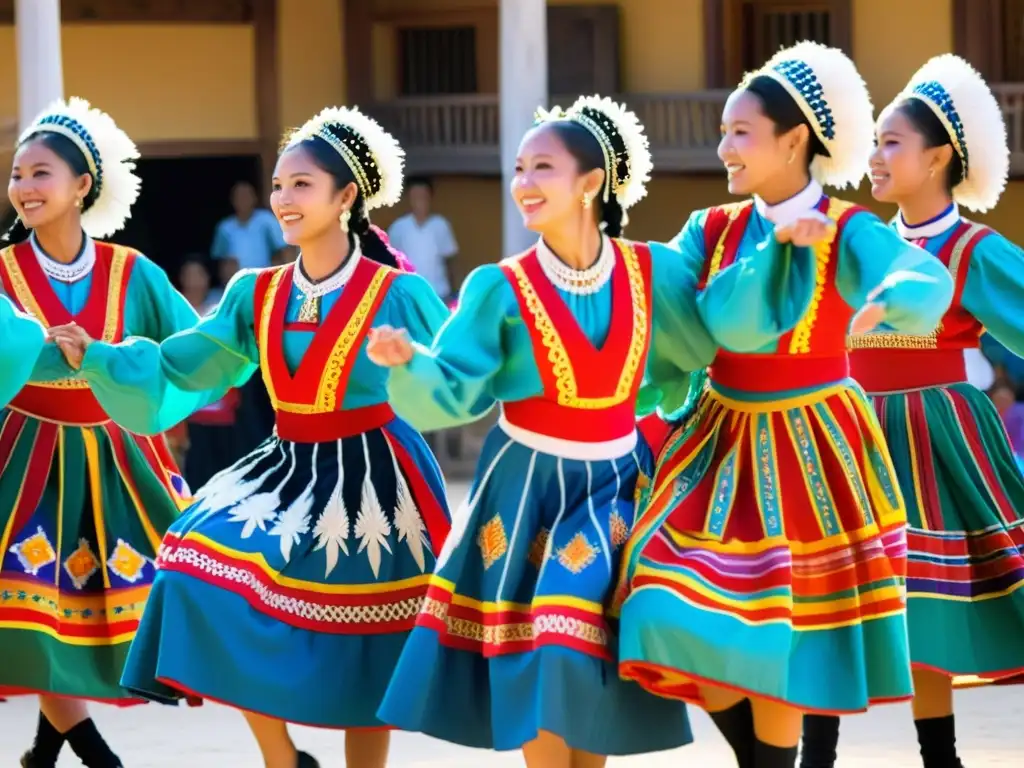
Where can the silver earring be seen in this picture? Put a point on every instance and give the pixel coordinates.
(344, 218)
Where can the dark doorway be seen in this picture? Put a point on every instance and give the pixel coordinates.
(182, 200)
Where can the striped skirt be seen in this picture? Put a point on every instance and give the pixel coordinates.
(769, 557)
(964, 493)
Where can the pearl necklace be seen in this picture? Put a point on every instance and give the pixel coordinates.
(581, 282)
(311, 293)
(67, 273)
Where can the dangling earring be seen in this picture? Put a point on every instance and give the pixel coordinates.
(588, 200)
(344, 218)
(78, 202)
(931, 172)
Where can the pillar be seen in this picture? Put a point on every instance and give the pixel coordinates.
(523, 86)
(40, 64)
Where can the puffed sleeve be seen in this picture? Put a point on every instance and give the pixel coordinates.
(22, 339)
(680, 343)
(148, 386)
(877, 265)
(994, 290)
(421, 312)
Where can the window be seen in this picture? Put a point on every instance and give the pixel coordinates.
(437, 61)
(752, 31)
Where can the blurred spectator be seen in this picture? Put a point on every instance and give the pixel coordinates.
(210, 438)
(426, 238)
(250, 238)
(1011, 411)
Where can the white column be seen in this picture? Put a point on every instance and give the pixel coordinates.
(40, 64)
(523, 87)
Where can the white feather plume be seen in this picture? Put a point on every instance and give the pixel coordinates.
(117, 155)
(385, 150)
(847, 97)
(988, 155)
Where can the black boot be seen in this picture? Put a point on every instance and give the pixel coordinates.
(45, 748)
(306, 760)
(937, 739)
(821, 737)
(737, 726)
(90, 747)
(767, 756)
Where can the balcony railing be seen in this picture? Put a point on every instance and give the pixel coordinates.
(460, 134)
(1011, 99)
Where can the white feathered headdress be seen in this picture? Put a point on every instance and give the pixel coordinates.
(109, 153)
(627, 152)
(833, 97)
(964, 104)
(371, 153)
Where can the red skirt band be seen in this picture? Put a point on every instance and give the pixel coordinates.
(547, 418)
(68, 407)
(337, 425)
(777, 373)
(896, 370)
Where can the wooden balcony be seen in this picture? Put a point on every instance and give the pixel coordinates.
(460, 134)
(1011, 98)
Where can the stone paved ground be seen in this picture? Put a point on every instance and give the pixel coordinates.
(991, 726)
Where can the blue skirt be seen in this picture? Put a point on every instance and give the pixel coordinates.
(514, 637)
(292, 583)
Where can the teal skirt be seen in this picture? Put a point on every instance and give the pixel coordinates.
(964, 492)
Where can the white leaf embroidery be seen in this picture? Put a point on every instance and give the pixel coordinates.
(372, 527)
(332, 529)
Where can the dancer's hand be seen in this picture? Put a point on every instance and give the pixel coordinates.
(869, 317)
(389, 346)
(72, 340)
(807, 229)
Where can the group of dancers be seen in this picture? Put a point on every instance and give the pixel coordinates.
(829, 518)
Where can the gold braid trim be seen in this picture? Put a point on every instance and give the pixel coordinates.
(558, 356)
(800, 343)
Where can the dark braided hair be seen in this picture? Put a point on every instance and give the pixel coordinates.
(13, 230)
(589, 156)
(329, 160)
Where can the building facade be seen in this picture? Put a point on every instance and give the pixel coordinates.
(195, 80)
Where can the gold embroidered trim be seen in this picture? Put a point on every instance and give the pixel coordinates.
(264, 336)
(558, 356)
(327, 391)
(27, 300)
(734, 210)
(800, 343)
(918, 341)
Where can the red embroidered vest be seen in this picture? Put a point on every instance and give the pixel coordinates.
(69, 401)
(307, 403)
(589, 393)
(890, 362)
(814, 352)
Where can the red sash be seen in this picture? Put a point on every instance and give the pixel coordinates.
(308, 403)
(589, 393)
(68, 402)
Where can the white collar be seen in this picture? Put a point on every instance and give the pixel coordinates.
(578, 281)
(930, 228)
(66, 273)
(332, 283)
(787, 210)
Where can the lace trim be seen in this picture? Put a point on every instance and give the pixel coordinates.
(578, 281)
(67, 273)
(318, 290)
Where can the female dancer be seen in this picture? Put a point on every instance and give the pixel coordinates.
(299, 571)
(513, 648)
(943, 142)
(764, 576)
(21, 342)
(83, 504)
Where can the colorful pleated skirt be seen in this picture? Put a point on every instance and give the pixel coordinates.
(290, 586)
(769, 557)
(82, 511)
(964, 493)
(515, 637)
